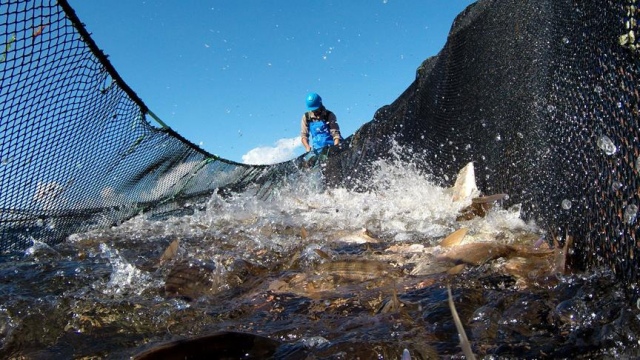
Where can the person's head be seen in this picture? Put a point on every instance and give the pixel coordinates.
(314, 102)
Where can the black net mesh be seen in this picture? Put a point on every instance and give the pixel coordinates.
(542, 97)
(540, 94)
(77, 149)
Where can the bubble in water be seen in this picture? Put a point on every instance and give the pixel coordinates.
(314, 341)
(570, 311)
(606, 145)
(566, 204)
(630, 213)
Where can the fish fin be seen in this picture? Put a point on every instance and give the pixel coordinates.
(170, 253)
(464, 341)
(465, 185)
(456, 269)
(322, 254)
(455, 238)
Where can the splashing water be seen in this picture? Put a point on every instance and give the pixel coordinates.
(630, 214)
(287, 267)
(606, 145)
(124, 277)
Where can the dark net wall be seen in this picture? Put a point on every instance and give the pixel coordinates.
(543, 97)
(78, 150)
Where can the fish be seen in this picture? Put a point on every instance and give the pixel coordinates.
(477, 253)
(465, 185)
(170, 253)
(359, 237)
(190, 280)
(219, 345)
(392, 305)
(322, 254)
(358, 269)
(480, 206)
(454, 238)
(528, 263)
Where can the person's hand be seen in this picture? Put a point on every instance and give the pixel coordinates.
(308, 148)
(336, 142)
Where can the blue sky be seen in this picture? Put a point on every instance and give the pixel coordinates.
(232, 76)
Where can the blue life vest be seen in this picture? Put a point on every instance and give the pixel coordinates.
(320, 134)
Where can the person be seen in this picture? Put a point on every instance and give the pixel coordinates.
(319, 126)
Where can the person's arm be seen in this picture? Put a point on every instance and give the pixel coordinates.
(334, 128)
(304, 133)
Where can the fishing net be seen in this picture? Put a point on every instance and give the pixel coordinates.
(79, 149)
(541, 96)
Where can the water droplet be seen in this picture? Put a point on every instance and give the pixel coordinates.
(616, 185)
(565, 40)
(551, 108)
(607, 145)
(406, 355)
(520, 135)
(630, 213)
(638, 164)
(566, 204)
(498, 137)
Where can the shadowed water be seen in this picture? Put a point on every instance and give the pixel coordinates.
(313, 273)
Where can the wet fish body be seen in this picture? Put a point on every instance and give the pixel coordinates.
(358, 270)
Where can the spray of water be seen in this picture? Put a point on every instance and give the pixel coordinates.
(403, 205)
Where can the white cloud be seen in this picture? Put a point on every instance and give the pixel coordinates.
(284, 150)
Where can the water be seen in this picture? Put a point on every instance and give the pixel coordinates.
(300, 275)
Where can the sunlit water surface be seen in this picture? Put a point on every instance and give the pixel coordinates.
(299, 269)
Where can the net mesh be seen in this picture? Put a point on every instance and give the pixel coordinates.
(78, 149)
(541, 95)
